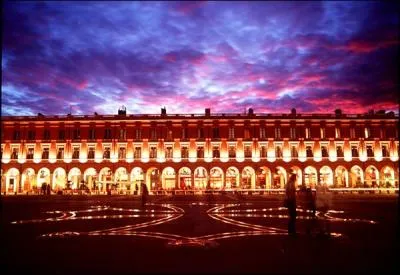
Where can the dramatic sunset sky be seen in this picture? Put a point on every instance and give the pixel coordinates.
(187, 56)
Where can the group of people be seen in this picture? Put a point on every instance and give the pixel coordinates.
(45, 189)
(310, 202)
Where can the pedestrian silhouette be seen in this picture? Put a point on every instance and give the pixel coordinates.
(290, 203)
(145, 193)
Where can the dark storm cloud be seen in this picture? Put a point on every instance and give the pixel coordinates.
(272, 56)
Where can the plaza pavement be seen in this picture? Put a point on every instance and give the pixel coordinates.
(194, 234)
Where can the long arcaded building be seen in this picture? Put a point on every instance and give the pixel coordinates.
(198, 151)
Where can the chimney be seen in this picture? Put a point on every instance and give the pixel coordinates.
(208, 111)
(251, 112)
(122, 111)
(338, 112)
(163, 111)
(293, 112)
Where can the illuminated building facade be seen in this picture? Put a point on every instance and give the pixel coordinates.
(198, 151)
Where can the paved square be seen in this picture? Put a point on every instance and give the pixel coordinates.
(195, 234)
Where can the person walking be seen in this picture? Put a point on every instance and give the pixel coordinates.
(290, 203)
(145, 193)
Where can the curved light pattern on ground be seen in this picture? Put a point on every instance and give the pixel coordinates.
(168, 212)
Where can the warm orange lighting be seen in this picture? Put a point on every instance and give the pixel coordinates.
(37, 155)
(129, 152)
(393, 151)
(347, 150)
(22, 153)
(302, 151)
(255, 151)
(286, 151)
(208, 150)
(332, 151)
(7, 153)
(362, 151)
(377, 150)
(160, 151)
(192, 150)
(98, 155)
(53, 152)
(114, 152)
(145, 151)
(83, 152)
(317, 151)
(239, 151)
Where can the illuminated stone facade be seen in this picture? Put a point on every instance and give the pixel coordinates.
(198, 151)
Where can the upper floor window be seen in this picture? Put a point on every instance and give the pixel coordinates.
(106, 153)
(382, 133)
(370, 152)
(168, 152)
(121, 153)
(309, 152)
(61, 134)
(322, 133)
(29, 153)
(385, 151)
(278, 151)
(246, 133)
(77, 134)
(45, 153)
(231, 133)
(137, 154)
(354, 151)
(277, 132)
(307, 132)
(339, 152)
(337, 132)
(153, 152)
(367, 132)
(92, 133)
(153, 133)
(107, 133)
(122, 134)
(14, 154)
(60, 153)
(247, 151)
(294, 152)
(200, 152)
(263, 151)
(31, 135)
(232, 151)
(138, 134)
(46, 134)
(215, 132)
(200, 133)
(352, 133)
(324, 151)
(184, 133)
(169, 134)
(75, 154)
(262, 133)
(215, 151)
(16, 135)
(184, 152)
(91, 153)
(292, 133)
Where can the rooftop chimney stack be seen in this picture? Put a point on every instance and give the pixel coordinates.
(251, 112)
(293, 112)
(338, 112)
(163, 111)
(122, 111)
(208, 111)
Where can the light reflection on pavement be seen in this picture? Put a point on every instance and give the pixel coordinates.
(165, 213)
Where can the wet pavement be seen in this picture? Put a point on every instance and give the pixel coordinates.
(196, 234)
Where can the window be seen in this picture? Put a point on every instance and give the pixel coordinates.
(184, 152)
(370, 152)
(293, 133)
(184, 133)
(200, 152)
(247, 151)
(153, 152)
(46, 134)
(381, 133)
(385, 152)
(75, 154)
(91, 153)
(121, 153)
(29, 154)
(138, 134)
(106, 153)
(31, 135)
(322, 133)
(278, 151)
(122, 134)
(246, 133)
(215, 151)
(16, 135)
(215, 132)
(14, 154)
(294, 152)
(232, 151)
(277, 133)
(352, 133)
(153, 133)
(309, 152)
(200, 133)
(337, 132)
(168, 152)
(263, 151)
(107, 133)
(354, 151)
(137, 153)
(339, 152)
(61, 134)
(307, 132)
(324, 151)
(92, 134)
(367, 132)
(262, 133)
(60, 153)
(45, 153)
(169, 134)
(231, 133)
(77, 134)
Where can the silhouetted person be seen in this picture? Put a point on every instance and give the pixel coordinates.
(145, 193)
(43, 188)
(290, 197)
(48, 189)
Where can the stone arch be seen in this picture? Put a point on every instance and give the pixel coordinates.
(75, 177)
(121, 178)
(263, 178)
(90, 176)
(326, 175)
(216, 178)
(310, 176)
(232, 177)
(137, 178)
(185, 177)
(387, 177)
(248, 178)
(43, 176)
(28, 180)
(168, 178)
(153, 178)
(59, 179)
(371, 176)
(279, 177)
(12, 180)
(356, 176)
(200, 178)
(105, 178)
(299, 173)
(341, 177)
